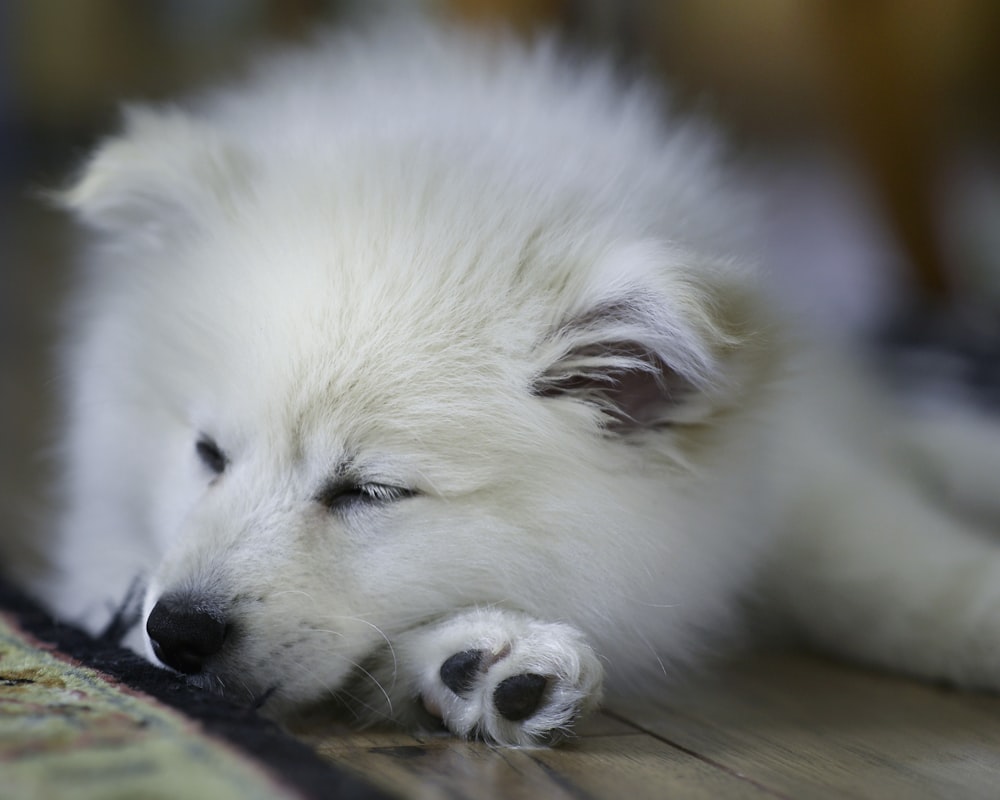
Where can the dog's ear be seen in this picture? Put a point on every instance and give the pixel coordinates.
(650, 345)
(164, 170)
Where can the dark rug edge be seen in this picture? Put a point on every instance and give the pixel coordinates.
(288, 761)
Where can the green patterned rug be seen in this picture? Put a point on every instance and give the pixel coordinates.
(82, 718)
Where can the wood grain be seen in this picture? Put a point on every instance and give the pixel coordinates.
(808, 728)
(626, 764)
(767, 725)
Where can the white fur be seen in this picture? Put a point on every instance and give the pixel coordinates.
(443, 262)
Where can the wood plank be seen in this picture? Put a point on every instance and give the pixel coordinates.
(439, 768)
(640, 767)
(805, 727)
(775, 725)
(610, 759)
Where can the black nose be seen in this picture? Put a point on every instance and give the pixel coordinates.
(184, 634)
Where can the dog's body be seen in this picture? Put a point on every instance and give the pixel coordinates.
(428, 367)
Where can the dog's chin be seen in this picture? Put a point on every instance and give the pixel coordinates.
(355, 695)
(268, 699)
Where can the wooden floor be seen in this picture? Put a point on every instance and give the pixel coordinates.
(768, 726)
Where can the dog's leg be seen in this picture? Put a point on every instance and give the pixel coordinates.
(501, 676)
(877, 572)
(959, 456)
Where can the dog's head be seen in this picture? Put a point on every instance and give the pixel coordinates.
(380, 386)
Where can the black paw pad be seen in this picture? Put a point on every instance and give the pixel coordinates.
(459, 671)
(519, 696)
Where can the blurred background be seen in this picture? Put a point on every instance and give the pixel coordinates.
(870, 131)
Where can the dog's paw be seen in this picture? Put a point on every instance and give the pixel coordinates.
(504, 677)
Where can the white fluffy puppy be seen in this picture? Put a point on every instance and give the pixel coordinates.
(423, 370)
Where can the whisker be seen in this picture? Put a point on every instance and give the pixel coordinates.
(341, 634)
(248, 690)
(381, 688)
(344, 692)
(378, 630)
(295, 591)
(645, 641)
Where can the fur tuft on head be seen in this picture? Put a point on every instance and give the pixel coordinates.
(164, 168)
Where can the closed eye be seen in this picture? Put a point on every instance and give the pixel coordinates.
(340, 496)
(211, 454)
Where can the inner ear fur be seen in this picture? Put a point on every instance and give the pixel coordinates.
(644, 362)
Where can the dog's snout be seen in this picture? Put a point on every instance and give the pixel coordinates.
(184, 635)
